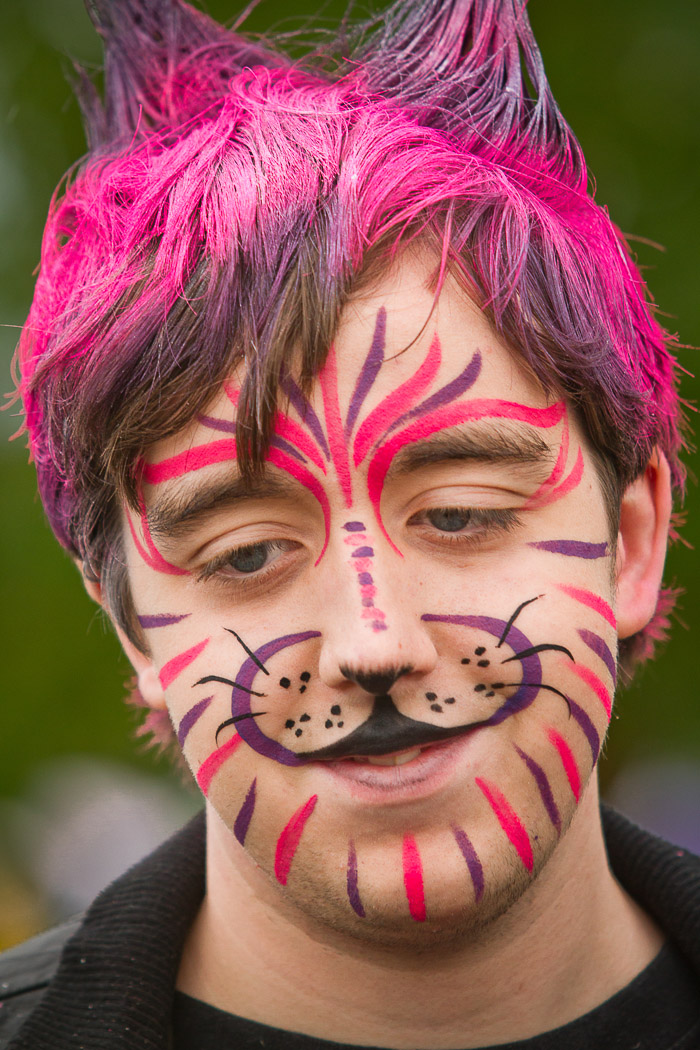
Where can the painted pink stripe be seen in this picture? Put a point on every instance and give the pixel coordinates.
(191, 459)
(328, 380)
(592, 600)
(280, 459)
(170, 670)
(594, 682)
(232, 392)
(558, 468)
(356, 540)
(157, 560)
(372, 613)
(289, 840)
(362, 564)
(288, 429)
(566, 486)
(567, 760)
(413, 879)
(509, 821)
(401, 400)
(453, 415)
(211, 765)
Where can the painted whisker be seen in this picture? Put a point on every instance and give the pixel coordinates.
(227, 681)
(542, 648)
(235, 719)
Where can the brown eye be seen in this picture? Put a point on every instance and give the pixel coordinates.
(449, 519)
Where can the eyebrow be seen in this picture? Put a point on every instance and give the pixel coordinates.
(483, 443)
(176, 513)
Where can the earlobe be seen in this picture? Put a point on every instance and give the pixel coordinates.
(146, 672)
(645, 514)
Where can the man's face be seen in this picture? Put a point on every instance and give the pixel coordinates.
(390, 663)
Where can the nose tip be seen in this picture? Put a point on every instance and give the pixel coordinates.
(378, 682)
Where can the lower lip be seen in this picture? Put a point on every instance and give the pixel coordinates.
(419, 778)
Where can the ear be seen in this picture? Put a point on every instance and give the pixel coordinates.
(645, 514)
(146, 672)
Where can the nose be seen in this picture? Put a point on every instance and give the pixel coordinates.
(378, 682)
(358, 647)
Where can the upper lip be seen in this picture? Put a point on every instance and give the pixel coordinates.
(387, 732)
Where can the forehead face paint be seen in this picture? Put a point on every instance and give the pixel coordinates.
(392, 662)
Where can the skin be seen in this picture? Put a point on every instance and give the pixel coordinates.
(475, 870)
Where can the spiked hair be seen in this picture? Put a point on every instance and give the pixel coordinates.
(232, 200)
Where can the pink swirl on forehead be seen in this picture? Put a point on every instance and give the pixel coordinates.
(191, 459)
(403, 398)
(150, 553)
(570, 483)
(443, 419)
(286, 428)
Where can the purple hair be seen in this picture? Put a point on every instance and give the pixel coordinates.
(232, 200)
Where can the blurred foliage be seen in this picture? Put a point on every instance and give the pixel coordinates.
(627, 76)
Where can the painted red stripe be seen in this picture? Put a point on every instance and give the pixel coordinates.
(191, 459)
(328, 381)
(170, 670)
(211, 765)
(413, 879)
(594, 682)
(509, 820)
(288, 841)
(591, 600)
(567, 760)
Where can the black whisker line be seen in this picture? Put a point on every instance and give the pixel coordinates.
(542, 648)
(236, 718)
(227, 681)
(540, 685)
(514, 617)
(250, 652)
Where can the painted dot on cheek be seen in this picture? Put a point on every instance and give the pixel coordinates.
(466, 660)
(305, 718)
(305, 676)
(285, 683)
(479, 688)
(450, 700)
(483, 663)
(480, 651)
(289, 724)
(335, 710)
(298, 732)
(328, 724)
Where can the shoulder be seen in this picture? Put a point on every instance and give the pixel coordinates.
(25, 974)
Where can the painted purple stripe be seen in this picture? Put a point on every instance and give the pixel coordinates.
(149, 622)
(354, 526)
(214, 423)
(365, 579)
(572, 548)
(189, 719)
(363, 552)
(445, 394)
(368, 374)
(379, 625)
(544, 788)
(278, 442)
(245, 813)
(368, 603)
(472, 860)
(589, 730)
(600, 648)
(306, 412)
(353, 889)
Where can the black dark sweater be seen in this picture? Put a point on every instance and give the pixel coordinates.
(113, 986)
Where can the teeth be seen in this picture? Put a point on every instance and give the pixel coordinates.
(390, 760)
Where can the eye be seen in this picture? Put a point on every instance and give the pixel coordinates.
(465, 524)
(251, 560)
(449, 519)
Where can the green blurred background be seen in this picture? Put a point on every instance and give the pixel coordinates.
(627, 76)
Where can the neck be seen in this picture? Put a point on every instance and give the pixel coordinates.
(570, 942)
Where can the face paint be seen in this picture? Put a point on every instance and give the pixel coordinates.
(572, 548)
(413, 879)
(315, 734)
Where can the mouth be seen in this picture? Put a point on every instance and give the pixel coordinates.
(388, 738)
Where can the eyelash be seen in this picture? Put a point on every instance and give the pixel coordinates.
(217, 566)
(482, 523)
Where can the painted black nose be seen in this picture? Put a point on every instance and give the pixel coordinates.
(379, 682)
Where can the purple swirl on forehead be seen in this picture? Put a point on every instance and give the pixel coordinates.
(368, 373)
(306, 412)
(247, 727)
(517, 641)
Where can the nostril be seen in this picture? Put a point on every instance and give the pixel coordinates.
(378, 682)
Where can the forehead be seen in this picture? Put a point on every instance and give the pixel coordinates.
(395, 344)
